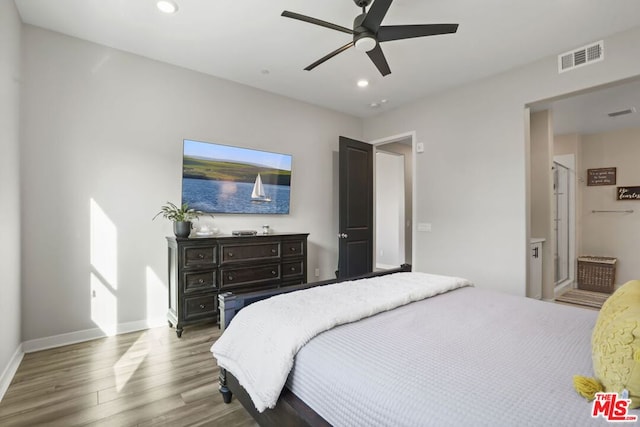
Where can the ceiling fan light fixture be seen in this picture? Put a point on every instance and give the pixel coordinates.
(167, 6)
(365, 44)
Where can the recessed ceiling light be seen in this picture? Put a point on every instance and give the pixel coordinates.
(363, 83)
(377, 104)
(167, 6)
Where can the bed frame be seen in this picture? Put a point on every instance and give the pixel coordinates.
(290, 410)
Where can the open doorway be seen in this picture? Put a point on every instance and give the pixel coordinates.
(393, 195)
(593, 130)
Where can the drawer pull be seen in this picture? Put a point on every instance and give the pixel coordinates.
(230, 277)
(273, 251)
(293, 269)
(201, 281)
(273, 272)
(292, 249)
(230, 254)
(202, 306)
(201, 256)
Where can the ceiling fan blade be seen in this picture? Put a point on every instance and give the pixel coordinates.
(329, 56)
(376, 14)
(379, 60)
(315, 21)
(398, 32)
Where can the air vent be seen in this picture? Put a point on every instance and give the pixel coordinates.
(622, 112)
(582, 56)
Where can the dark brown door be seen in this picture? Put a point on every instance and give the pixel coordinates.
(355, 234)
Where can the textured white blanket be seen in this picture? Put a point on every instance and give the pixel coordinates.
(259, 346)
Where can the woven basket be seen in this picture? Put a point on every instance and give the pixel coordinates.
(596, 273)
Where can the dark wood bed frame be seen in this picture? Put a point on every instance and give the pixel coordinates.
(290, 410)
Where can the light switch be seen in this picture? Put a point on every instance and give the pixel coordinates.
(424, 226)
(420, 147)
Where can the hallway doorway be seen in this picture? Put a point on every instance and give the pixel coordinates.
(393, 212)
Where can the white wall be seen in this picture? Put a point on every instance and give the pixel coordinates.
(612, 234)
(406, 150)
(102, 139)
(472, 177)
(541, 196)
(9, 192)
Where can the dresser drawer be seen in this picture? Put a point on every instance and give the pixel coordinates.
(199, 281)
(291, 248)
(199, 256)
(250, 275)
(200, 306)
(292, 269)
(234, 252)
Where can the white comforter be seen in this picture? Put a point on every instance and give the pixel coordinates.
(259, 346)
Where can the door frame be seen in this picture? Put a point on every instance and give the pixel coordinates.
(569, 162)
(387, 140)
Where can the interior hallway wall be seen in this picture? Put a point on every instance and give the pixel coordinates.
(10, 82)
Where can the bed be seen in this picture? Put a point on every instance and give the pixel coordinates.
(463, 356)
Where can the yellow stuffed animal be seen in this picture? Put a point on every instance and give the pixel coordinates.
(615, 347)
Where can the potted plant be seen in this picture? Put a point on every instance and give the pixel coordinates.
(181, 217)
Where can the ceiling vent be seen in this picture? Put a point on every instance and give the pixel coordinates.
(622, 112)
(583, 56)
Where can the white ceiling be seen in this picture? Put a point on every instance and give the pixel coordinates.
(247, 41)
(587, 113)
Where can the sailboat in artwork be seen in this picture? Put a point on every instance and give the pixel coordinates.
(258, 194)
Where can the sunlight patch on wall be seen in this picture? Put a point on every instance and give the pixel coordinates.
(103, 245)
(104, 306)
(156, 299)
(129, 363)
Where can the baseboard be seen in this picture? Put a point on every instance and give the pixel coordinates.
(88, 335)
(10, 371)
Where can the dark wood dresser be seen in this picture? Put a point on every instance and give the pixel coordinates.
(200, 268)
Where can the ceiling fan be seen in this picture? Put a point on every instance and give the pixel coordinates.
(368, 32)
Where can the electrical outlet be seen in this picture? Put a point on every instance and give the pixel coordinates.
(317, 272)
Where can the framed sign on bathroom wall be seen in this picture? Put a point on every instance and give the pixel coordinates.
(628, 193)
(601, 176)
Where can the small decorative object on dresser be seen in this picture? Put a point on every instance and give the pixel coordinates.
(202, 268)
(181, 217)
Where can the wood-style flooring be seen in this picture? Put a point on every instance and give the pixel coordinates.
(146, 378)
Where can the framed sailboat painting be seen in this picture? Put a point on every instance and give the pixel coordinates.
(220, 178)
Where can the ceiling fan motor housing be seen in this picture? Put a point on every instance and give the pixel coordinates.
(363, 38)
(362, 3)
